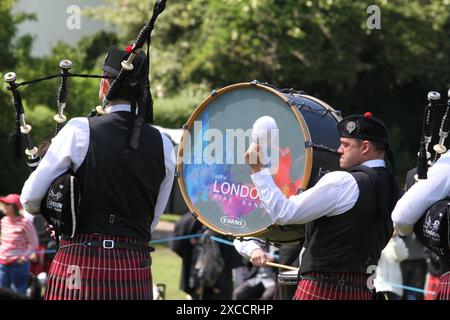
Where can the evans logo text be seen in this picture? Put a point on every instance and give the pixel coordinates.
(233, 222)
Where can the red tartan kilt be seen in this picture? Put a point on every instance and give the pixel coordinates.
(314, 290)
(443, 292)
(80, 273)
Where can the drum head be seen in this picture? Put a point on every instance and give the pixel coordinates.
(213, 177)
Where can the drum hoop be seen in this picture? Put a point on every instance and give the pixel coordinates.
(189, 123)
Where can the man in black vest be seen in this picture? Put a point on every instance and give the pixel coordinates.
(125, 185)
(347, 213)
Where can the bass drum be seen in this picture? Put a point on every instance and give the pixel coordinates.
(214, 179)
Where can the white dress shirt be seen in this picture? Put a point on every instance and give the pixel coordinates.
(265, 275)
(335, 193)
(248, 245)
(69, 149)
(422, 195)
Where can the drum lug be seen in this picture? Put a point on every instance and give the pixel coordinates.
(213, 93)
(254, 82)
(185, 126)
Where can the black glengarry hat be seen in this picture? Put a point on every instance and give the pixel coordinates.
(364, 127)
(367, 127)
(114, 58)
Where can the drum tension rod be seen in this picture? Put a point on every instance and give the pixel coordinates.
(302, 105)
(292, 91)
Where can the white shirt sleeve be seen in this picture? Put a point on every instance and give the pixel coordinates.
(422, 195)
(246, 247)
(166, 185)
(67, 150)
(335, 193)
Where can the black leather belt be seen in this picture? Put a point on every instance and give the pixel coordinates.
(111, 244)
(334, 281)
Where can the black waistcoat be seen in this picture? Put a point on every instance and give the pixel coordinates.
(120, 186)
(353, 241)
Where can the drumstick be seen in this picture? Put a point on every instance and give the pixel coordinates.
(283, 266)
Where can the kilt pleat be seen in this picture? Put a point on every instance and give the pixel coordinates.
(443, 291)
(95, 273)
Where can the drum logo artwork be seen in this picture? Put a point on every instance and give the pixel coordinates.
(235, 199)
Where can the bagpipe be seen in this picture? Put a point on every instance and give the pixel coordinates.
(432, 229)
(61, 203)
(424, 157)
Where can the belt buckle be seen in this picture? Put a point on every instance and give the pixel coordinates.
(108, 244)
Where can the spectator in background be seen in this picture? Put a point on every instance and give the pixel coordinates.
(389, 276)
(18, 243)
(190, 251)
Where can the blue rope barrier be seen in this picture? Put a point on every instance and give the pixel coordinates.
(190, 236)
(412, 288)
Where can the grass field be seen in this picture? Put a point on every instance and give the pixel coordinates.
(166, 269)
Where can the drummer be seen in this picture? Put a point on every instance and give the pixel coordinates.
(347, 213)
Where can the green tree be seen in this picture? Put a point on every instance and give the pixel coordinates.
(40, 99)
(12, 51)
(323, 47)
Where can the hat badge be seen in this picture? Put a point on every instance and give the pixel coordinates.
(351, 126)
